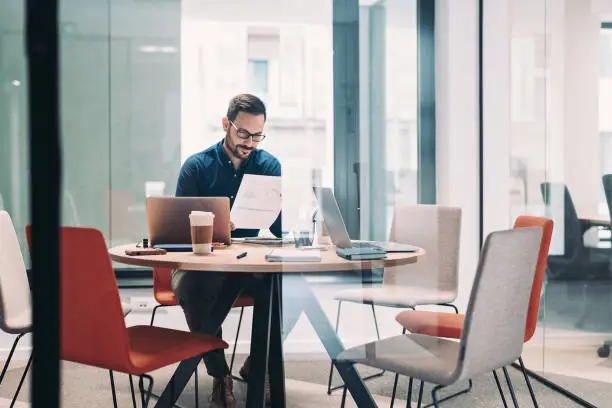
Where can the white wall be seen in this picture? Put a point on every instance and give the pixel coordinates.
(457, 159)
(576, 36)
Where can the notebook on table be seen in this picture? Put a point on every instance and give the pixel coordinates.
(292, 255)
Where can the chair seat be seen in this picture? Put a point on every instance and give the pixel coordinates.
(154, 347)
(449, 325)
(244, 301)
(396, 296)
(17, 324)
(166, 297)
(429, 358)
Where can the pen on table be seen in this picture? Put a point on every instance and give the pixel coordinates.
(242, 255)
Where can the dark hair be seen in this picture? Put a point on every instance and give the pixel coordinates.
(245, 103)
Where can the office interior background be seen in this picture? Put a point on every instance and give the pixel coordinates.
(368, 97)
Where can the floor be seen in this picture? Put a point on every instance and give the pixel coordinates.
(576, 319)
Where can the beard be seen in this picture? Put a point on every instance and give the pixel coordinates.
(239, 151)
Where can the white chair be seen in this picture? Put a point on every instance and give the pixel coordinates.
(494, 329)
(433, 280)
(15, 301)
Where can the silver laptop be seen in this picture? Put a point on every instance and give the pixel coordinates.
(337, 230)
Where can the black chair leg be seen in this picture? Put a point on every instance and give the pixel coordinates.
(151, 394)
(331, 366)
(512, 394)
(556, 387)
(153, 314)
(195, 373)
(133, 393)
(25, 372)
(463, 391)
(434, 395)
(344, 397)
(112, 381)
(420, 396)
(409, 395)
(394, 390)
(145, 397)
(10, 356)
(231, 367)
(531, 393)
(499, 388)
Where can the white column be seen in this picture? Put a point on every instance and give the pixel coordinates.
(496, 114)
(457, 149)
(574, 142)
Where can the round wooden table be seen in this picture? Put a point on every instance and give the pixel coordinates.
(266, 342)
(224, 260)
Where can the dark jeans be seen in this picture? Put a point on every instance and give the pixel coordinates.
(207, 298)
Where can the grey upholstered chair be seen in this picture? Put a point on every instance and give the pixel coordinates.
(432, 280)
(494, 330)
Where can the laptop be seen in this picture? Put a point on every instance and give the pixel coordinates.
(337, 229)
(168, 220)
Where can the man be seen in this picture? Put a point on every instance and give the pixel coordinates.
(218, 171)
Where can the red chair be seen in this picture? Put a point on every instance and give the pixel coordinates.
(164, 295)
(450, 325)
(93, 330)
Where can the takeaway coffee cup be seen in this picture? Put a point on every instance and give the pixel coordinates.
(201, 231)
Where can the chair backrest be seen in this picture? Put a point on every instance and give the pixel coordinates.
(494, 326)
(526, 221)
(559, 203)
(607, 184)
(93, 328)
(162, 282)
(437, 229)
(15, 300)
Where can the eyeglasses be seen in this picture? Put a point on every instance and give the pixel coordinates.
(245, 134)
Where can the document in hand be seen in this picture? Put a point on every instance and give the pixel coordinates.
(258, 202)
(293, 255)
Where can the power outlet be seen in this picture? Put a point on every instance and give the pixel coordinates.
(142, 304)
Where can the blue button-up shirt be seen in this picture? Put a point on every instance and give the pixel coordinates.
(211, 173)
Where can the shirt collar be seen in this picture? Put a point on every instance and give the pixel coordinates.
(224, 158)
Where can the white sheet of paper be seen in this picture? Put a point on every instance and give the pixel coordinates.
(258, 202)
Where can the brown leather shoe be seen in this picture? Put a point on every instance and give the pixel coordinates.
(244, 373)
(244, 370)
(222, 395)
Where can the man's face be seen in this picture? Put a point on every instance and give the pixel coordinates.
(235, 131)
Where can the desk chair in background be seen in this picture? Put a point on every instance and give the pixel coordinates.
(98, 336)
(604, 350)
(165, 297)
(577, 261)
(449, 325)
(494, 323)
(433, 280)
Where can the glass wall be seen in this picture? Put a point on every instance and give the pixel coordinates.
(145, 87)
(550, 163)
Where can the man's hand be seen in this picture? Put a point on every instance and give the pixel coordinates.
(232, 226)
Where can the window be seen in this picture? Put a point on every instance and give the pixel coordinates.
(258, 78)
